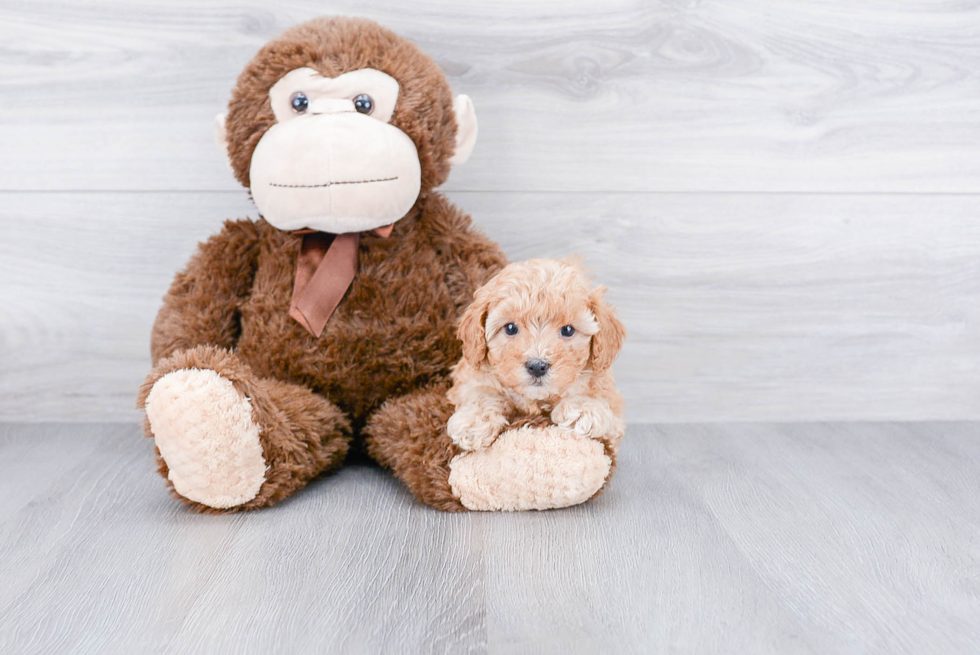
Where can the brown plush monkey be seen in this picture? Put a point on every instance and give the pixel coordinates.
(330, 321)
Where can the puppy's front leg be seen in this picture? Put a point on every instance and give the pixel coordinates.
(476, 426)
(589, 417)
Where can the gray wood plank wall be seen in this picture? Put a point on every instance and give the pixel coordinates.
(782, 197)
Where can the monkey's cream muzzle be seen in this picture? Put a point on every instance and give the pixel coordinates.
(337, 171)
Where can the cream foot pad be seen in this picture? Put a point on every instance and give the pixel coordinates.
(530, 468)
(204, 430)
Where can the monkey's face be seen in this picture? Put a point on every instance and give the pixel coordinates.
(333, 161)
(339, 125)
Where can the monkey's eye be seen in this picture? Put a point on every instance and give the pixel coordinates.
(299, 102)
(364, 104)
(510, 329)
(567, 331)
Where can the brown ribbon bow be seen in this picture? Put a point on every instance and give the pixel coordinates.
(325, 269)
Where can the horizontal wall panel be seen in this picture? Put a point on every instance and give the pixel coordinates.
(739, 306)
(817, 95)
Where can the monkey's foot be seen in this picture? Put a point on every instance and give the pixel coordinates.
(530, 468)
(204, 430)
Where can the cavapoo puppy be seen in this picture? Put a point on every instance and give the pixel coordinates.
(538, 343)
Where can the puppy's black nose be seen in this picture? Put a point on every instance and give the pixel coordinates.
(537, 367)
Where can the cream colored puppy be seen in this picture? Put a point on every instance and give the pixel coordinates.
(537, 342)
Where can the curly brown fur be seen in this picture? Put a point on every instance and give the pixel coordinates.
(204, 301)
(394, 331)
(408, 436)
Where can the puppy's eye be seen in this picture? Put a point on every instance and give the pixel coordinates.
(510, 329)
(299, 102)
(567, 331)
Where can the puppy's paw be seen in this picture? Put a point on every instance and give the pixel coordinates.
(473, 428)
(587, 417)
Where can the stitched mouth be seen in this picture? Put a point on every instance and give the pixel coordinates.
(326, 184)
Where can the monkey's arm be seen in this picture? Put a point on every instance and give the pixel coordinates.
(470, 258)
(202, 305)
(227, 439)
(480, 258)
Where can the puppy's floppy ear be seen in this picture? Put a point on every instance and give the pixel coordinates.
(472, 327)
(608, 341)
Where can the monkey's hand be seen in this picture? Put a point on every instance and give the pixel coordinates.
(473, 427)
(592, 418)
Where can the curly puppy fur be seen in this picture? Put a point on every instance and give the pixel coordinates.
(537, 342)
(394, 331)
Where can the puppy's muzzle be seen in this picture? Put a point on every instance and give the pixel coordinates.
(537, 367)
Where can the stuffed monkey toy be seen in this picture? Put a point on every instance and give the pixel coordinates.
(328, 325)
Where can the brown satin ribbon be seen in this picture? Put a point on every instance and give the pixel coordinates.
(325, 269)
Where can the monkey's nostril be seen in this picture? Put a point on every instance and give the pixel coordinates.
(537, 367)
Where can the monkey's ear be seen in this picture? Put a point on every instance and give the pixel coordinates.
(465, 129)
(608, 341)
(473, 328)
(220, 137)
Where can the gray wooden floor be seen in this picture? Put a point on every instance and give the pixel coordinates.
(738, 538)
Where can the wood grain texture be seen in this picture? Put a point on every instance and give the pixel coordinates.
(739, 307)
(673, 95)
(345, 576)
(849, 288)
(750, 538)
